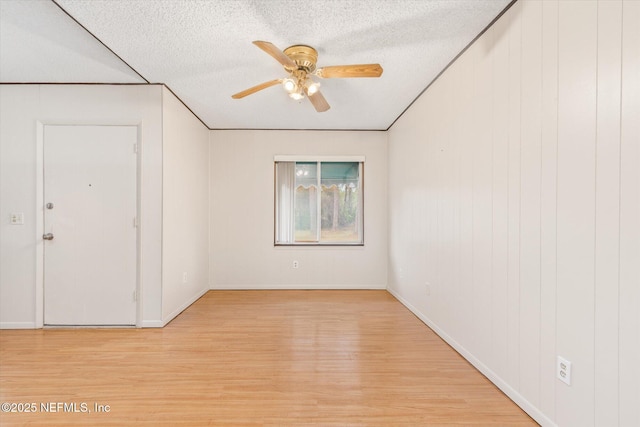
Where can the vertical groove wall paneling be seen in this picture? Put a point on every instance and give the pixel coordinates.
(548, 187)
(448, 170)
(482, 205)
(500, 190)
(607, 212)
(461, 298)
(466, 198)
(513, 257)
(428, 204)
(576, 201)
(629, 311)
(530, 140)
(544, 186)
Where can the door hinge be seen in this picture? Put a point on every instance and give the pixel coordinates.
(135, 148)
(135, 222)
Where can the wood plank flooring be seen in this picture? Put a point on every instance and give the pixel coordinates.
(254, 358)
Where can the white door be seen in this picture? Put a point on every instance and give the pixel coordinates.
(90, 209)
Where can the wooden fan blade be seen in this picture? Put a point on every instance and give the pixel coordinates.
(319, 102)
(344, 71)
(255, 89)
(279, 55)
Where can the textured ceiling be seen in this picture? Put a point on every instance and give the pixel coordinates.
(40, 43)
(202, 50)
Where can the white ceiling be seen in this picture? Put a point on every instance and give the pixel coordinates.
(40, 43)
(202, 50)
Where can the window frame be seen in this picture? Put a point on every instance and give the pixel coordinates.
(319, 160)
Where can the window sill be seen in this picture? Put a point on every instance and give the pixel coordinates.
(316, 244)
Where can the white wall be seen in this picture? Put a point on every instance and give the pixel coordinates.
(21, 107)
(514, 194)
(242, 213)
(185, 207)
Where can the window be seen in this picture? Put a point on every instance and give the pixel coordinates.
(319, 201)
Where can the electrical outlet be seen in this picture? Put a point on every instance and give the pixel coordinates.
(563, 370)
(184, 277)
(296, 264)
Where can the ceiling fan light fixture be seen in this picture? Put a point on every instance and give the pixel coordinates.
(290, 85)
(296, 95)
(312, 88)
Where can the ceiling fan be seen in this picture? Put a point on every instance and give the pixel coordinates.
(300, 62)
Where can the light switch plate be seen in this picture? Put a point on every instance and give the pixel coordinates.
(17, 218)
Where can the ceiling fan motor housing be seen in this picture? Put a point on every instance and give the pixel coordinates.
(304, 56)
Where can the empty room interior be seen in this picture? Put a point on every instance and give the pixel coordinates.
(290, 213)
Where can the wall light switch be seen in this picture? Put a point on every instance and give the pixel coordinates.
(17, 218)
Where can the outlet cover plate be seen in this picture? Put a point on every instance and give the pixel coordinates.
(563, 370)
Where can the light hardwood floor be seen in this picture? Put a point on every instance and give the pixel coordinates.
(255, 358)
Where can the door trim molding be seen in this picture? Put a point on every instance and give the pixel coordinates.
(39, 215)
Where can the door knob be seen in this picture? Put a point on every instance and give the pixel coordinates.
(47, 236)
(49, 205)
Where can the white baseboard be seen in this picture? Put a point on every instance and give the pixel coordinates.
(145, 323)
(519, 400)
(32, 325)
(183, 307)
(263, 287)
(152, 324)
(18, 325)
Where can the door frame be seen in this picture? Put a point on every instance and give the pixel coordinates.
(39, 212)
